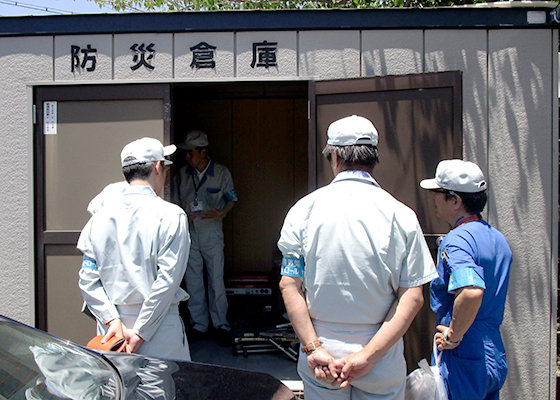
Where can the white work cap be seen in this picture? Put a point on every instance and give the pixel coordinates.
(146, 150)
(350, 131)
(193, 140)
(457, 175)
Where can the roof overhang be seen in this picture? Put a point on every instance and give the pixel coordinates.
(499, 15)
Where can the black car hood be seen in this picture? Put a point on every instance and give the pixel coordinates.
(151, 378)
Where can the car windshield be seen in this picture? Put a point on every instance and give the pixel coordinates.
(35, 365)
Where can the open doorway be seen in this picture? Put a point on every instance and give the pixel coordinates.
(258, 130)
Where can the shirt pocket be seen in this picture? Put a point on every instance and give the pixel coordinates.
(215, 195)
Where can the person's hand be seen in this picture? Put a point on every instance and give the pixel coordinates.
(322, 364)
(441, 345)
(115, 329)
(213, 213)
(352, 367)
(133, 341)
(191, 216)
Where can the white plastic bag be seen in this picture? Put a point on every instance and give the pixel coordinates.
(426, 383)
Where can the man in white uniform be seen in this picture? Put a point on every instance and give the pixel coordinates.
(204, 189)
(135, 252)
(110, 193)
(354, 262)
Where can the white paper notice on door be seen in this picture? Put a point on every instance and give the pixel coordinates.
(49, 117)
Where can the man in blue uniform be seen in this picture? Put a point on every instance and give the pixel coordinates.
(469, 296)
(204, 189)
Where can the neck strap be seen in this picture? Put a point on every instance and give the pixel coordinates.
(468, 218)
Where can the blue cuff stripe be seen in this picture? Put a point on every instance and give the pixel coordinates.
(231, 196)
(465, 277)
(293, 267)
(89, 263)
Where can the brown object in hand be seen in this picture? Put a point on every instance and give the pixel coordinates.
(113, 344)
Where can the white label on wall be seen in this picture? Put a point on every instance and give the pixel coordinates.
(50, 117)
(536, 17)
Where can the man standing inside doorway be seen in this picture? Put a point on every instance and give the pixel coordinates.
(204, 189)
(135, 249)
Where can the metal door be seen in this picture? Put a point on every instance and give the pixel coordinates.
(77, 153)
(419, 119)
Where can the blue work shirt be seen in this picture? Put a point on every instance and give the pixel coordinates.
(473, 254)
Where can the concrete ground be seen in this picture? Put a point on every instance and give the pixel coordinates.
(250, 319)
(275, 363)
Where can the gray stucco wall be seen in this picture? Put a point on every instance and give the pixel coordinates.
(22, 60)
(522, 165)
(510, 128)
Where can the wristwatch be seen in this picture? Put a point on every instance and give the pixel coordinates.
(310, 347)
(446, 340)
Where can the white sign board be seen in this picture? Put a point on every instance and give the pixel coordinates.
(49, 117)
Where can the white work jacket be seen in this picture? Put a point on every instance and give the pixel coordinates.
(354, 245)
(135, 253)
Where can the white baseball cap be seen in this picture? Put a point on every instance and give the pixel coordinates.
(194, 139)
(350, 131)
(457, 175)
(146, 150)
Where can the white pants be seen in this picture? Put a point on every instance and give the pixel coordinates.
(207, 247)
(169, 341)
(385, 381)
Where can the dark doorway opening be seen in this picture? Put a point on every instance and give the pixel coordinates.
(258, 130)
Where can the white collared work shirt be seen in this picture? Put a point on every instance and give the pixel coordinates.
(135, 253)
(353, 245)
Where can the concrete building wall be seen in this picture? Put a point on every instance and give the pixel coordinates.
(509, 88)
(392, 52)
(465, 51)
(510, 129)
(22, 60)
(329, 54)
(521, 163)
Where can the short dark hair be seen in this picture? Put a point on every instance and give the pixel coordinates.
(138, 171)
(474, 203)
(350, 157)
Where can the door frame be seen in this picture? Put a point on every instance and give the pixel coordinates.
(64, 242)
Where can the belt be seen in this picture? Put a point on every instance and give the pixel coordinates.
(134, 309)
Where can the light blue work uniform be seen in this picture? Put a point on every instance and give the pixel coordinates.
(473, 254)
(109, 195)
(354, 245)
(196, 195)
(135, 252)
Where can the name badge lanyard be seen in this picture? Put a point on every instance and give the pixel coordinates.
(197, 187)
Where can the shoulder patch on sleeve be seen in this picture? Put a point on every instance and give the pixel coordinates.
(465, 277)
(89, 263)
(292, 266)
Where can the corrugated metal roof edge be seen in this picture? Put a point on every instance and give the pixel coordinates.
(501, 15)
